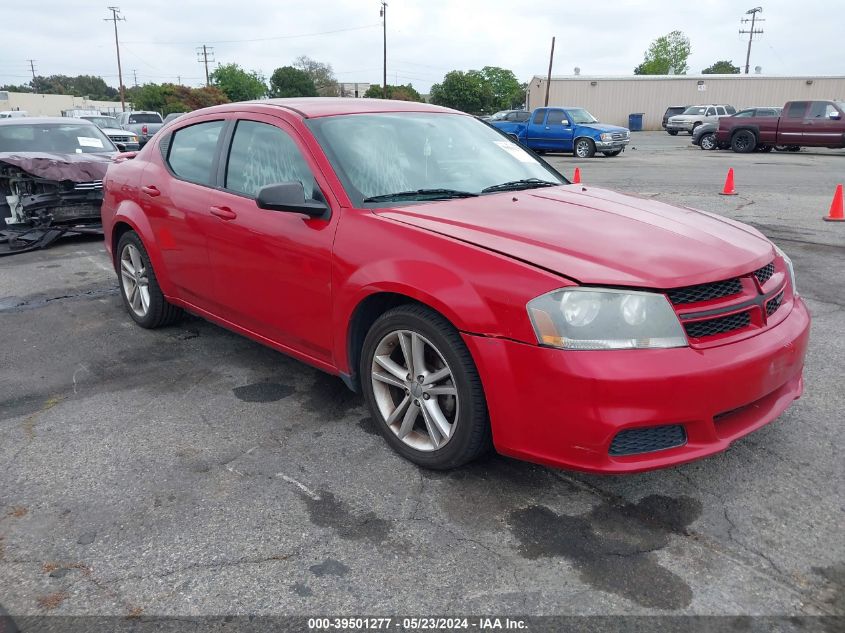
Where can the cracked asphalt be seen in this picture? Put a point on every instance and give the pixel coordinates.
(189, 471)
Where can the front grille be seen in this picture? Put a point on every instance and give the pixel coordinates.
(773, 305)
(94, 185)
(705, 292)
(719, 325)
(618, 136)
(764, 274)
(647, 440)
(120, 139)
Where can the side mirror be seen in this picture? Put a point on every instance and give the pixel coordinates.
(565, 123)
(289, 197)
(835, 116)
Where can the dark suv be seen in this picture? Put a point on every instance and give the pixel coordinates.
(672, 111)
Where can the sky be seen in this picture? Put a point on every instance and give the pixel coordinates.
(425, 38)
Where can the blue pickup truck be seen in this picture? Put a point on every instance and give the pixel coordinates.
(567, 130)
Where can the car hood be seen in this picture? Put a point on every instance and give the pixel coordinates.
(73, 167)
(603, 127)
(596, 236)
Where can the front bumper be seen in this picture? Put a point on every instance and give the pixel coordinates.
(605, 146)
(684, 126)
(564, 408)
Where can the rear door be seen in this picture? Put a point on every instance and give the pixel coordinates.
(272, 269)
(791, 124)
(176, 189)
(819, 128)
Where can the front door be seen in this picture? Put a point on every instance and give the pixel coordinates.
(272, 269)
(820, 129)
(558, 131)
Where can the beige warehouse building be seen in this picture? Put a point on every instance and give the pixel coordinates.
(53, 105)
(612, 99)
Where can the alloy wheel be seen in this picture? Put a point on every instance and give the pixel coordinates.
(134, 280)
(582, 149)
(708, 142)
(414, 390)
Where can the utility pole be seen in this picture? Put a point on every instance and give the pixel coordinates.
(383, 14)
(115, 17)
(549, 77)
(752, 32)
(202, 57)
(135, 76)
(32, 68)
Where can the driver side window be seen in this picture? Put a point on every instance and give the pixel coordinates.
(263, 154)
(557, 117)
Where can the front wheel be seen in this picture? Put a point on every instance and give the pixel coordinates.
(615, 152)
(672, 132)
(423, 389)
(139, 287)
(707, 142)
(743, 142)
(584, 148)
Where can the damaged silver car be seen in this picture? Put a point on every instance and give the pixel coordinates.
(51, 180)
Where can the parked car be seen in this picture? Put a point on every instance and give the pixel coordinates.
(172, 117)
(12, 114)
(800, 124)
(51, 172)
(142, 124)
(508, 115)
(124, 141)
(672, 111)
(460, 283)
(567, 130)
(694, 116)
(705, 137)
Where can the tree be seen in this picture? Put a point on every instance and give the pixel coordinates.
(724, 67)
(238, 84)
(13, 88)
(669, 51)
(167, 98)
(288, 81)
(398, 93)
(89, 86)
(467, 91)
(506, 90)
(321, 74)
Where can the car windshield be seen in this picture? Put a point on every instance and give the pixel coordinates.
(696, 110)
(151, 117)
(580, 115)
(59, 138)
(102, 121)
(437, 155)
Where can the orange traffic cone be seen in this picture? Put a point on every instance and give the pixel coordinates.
(837, 207)
(576, 177)
(729, 190)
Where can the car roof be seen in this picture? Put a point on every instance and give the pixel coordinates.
(313, 107)
(44, 119)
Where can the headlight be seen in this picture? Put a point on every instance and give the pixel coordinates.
(134, 139)
(790, 268)
(599, 318)
(607, 136)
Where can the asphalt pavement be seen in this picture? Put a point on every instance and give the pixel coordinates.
(188, 471)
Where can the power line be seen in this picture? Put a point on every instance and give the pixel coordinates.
(751, 32)
(115, 18)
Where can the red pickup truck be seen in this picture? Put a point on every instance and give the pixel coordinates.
(802, 124)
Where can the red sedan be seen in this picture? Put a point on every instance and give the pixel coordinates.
(472, 294)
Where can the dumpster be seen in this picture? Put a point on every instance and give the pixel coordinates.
(635, 121)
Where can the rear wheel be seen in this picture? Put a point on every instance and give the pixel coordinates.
(584, 148)
(423, 389)
(139, 287)
(743, 142)
(707, 142)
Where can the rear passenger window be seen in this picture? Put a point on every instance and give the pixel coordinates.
(263, 154)
(192, 150)
(796, 110)
(538, 116)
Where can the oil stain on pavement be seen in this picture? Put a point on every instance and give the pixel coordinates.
(326, 511)
(612, 546)
(262, 392)
(330, 398)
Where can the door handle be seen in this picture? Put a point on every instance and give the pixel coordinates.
(224, 213)
(151, 191)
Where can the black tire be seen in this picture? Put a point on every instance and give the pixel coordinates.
(615, 152)
(589, 148)
(707, 142)
(471, 436)
(672, 132)
(743, 141)
(694, 125)
(159, 312)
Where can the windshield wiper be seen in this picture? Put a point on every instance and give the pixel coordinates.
(525, 183)
(434, 194)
